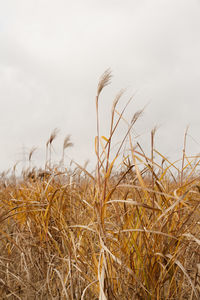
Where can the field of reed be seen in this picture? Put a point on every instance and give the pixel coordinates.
(129, 230)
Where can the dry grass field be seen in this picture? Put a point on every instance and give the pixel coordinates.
(131, 230)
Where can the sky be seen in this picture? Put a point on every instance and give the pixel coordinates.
(52, 54)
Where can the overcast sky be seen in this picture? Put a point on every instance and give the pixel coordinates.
(52, 54)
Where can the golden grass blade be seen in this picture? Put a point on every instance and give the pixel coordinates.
(130, 201)
(104, 138)
(118, 261)
(85, 289)
(180, 199)
(166, 159)
(177, 262)
(192, 237)
(63, 284)
(148, 231)
(83, 227)
(101, 276)
(84, 170)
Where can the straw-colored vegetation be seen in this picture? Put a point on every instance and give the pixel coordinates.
(126, 232)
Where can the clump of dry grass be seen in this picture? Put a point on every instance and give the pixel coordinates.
(131, 233)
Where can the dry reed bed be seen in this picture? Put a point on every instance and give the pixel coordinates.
(127, 234)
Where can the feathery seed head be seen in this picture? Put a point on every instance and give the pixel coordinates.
(31, 153)
(136, 116)
(104, 81)
(67, 142)
(116, 100)
(52, 136)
